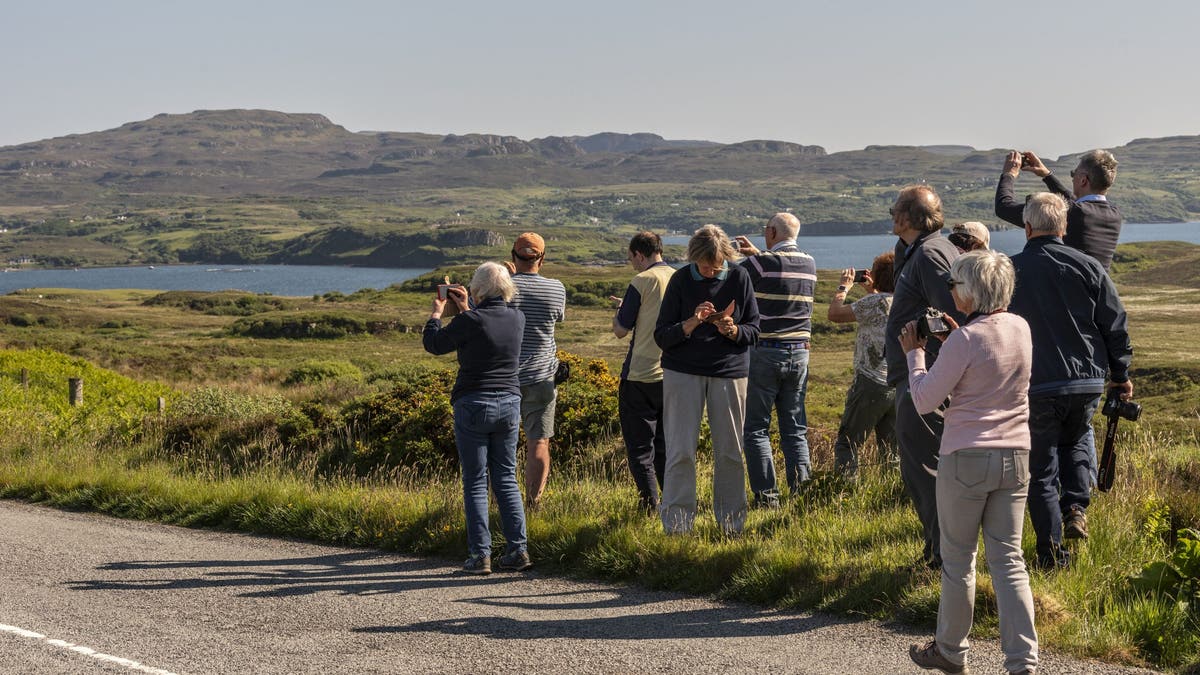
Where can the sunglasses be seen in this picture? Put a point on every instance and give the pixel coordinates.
(952, 283)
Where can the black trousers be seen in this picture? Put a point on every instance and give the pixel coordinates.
(641, 407)
(920, 438)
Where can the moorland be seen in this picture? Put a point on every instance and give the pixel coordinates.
(253, 186)
(323, 418)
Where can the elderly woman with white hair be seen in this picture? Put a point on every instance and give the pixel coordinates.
(983, 472)
(487, 409)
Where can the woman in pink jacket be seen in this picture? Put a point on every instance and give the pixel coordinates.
(983, 468)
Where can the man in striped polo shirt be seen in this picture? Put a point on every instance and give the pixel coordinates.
(543, 302)
(784, 279)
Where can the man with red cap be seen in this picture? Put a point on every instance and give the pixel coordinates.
(544, 303)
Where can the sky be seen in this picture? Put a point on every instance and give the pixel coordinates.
(1053, 76)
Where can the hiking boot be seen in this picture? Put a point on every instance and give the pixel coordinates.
(517, 561)
(478, 564)
(766, 500)
(929, 657)
(1075, 523)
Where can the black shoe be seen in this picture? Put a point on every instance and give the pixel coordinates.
(1075, 523)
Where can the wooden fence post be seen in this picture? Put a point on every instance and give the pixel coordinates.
(162, 405)
(25, 379)
(75, 391)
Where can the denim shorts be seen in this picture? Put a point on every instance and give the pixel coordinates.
(537, 409)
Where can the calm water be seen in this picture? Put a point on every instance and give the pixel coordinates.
(832, 252)
(305, 280)
(298, 280)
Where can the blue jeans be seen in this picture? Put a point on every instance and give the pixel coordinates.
(485, 431)
(1061, 464)
(778, 380)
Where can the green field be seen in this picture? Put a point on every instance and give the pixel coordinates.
(342, 435)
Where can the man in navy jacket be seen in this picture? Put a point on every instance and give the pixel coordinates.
(922, 273)
(1078, 327)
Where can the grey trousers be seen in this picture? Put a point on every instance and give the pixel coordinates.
(985, 488)
(684, 400)
(919, 438)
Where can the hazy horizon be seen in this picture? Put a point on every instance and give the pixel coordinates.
(1056, 78)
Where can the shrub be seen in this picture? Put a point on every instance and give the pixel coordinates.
(231, 429)
(318, 371)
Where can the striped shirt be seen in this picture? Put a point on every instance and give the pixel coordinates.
(543, 302)
(784, 280)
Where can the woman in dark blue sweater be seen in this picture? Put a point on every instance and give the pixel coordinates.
(487, 405)
(708, 319)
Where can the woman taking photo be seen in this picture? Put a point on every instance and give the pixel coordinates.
(870, 402)
(487, 407)
(983, 464)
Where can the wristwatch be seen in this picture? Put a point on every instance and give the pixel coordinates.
(842, 289)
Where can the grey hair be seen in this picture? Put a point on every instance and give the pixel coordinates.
(1046, 212)
(787, 224)
(492, 280)
(710, 244)
(1100, 167)
(986, 277)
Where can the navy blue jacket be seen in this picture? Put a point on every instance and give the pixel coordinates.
(706, 352)
(488, 342)
(1075, 316)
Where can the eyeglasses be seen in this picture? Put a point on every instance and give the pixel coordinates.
(892, 211)
(952, 283)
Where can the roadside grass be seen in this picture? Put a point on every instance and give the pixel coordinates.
(844, 548)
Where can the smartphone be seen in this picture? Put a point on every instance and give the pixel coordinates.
(443, 290)
(860, 277)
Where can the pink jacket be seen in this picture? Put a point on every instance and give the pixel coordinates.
(983, 368)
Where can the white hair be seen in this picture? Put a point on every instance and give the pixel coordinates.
(986, 277)
(492, 280)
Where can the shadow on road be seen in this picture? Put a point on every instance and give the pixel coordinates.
(560, 616)
(362, 573)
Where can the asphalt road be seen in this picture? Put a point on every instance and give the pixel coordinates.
(83, 593)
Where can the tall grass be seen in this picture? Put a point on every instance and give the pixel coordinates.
(846, 548)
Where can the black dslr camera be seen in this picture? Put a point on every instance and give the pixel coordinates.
(932, 322)
(1114, 409)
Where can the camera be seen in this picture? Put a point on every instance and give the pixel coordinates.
(932, 323)
(860, 276)
(443, 290)
(1025, 160)
(1114, 409)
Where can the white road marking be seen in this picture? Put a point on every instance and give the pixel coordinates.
(86, 651)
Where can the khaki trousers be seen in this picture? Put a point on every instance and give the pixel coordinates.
(684, 400)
